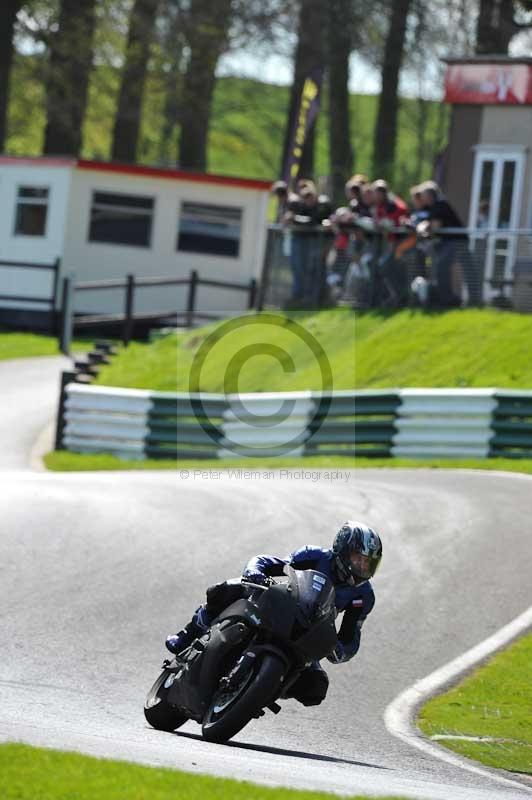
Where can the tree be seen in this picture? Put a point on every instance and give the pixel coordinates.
(338, 51)
(498, 24)
(128, 116)
(207, 30)
(385, 136)
(68, 77)
(6, 59)
(309, 57)
(172, 45)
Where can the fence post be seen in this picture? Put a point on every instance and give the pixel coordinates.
(252, 293)
(191, 304)
(128, 311)
(55, 318)
(65, 328)
(66, 377)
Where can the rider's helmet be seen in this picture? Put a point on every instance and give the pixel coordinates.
(357, 551)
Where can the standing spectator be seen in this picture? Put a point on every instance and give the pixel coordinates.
(306, 211)
(353, 192)
(388, 206)
(442, 215)
(389, 211)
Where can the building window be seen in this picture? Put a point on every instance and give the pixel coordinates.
(121, 219)
(32, 210)
(209, 229)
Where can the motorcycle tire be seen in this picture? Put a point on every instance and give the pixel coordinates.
(227, 714)
(160, 714)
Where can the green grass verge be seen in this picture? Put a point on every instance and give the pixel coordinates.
(496, 702)
(65, 461)
(30, 773)
(27, 345)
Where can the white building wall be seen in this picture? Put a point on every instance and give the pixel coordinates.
(94, 261)
(42, 249)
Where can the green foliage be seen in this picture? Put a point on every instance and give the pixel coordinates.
(496, 702)
(247, 124)
(30, 773)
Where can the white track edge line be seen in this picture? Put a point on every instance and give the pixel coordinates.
(399, 714)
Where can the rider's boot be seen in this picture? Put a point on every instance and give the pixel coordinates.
(198, 625)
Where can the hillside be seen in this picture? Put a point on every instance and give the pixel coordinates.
(379, 350)
(246, 130)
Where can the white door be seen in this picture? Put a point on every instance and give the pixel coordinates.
(494, 213)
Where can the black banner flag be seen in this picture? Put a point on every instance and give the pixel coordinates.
(307, 111)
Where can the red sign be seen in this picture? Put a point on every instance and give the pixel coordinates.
(489, 84)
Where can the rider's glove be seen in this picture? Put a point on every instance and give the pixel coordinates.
(338, 655)
(256, 577)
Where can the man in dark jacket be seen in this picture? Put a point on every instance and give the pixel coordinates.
(448, 248)
(349, 564)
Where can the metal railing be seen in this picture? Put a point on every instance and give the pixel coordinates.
(368, 267)
(49, 299)
(128, 318)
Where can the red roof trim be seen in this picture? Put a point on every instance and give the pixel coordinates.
(173, 174)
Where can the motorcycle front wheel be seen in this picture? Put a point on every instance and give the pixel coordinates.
(160, 714)
(231, 710)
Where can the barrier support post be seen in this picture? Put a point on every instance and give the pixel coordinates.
(191, 303)
(128, 311)
(252, 293)
(66, 378)
(65, 328)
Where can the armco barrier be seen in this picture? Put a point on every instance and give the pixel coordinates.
(135, 423)
(416, 423)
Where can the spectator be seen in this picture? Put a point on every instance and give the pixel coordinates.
(388, 206)
(442, 215)
(305, 213)
(353, 192)
(389, 211)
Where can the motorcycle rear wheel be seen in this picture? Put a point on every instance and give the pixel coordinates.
(160, 714)
(227, 714)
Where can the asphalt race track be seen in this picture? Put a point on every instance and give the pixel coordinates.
(96, 568)
(29, 392)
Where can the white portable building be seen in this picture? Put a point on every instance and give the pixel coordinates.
(98, 221)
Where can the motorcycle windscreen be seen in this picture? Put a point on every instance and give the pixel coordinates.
(316, 606)
(315, 594)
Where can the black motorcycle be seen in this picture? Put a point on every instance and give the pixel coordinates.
(253, 654)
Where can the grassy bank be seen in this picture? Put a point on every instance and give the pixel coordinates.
(494, 704)
(365, 350)
(29, 773)
(453, 349)
(165, 364)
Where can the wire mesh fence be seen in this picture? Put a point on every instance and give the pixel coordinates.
(394, 268)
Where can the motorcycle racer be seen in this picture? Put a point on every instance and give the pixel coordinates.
(350, 563)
